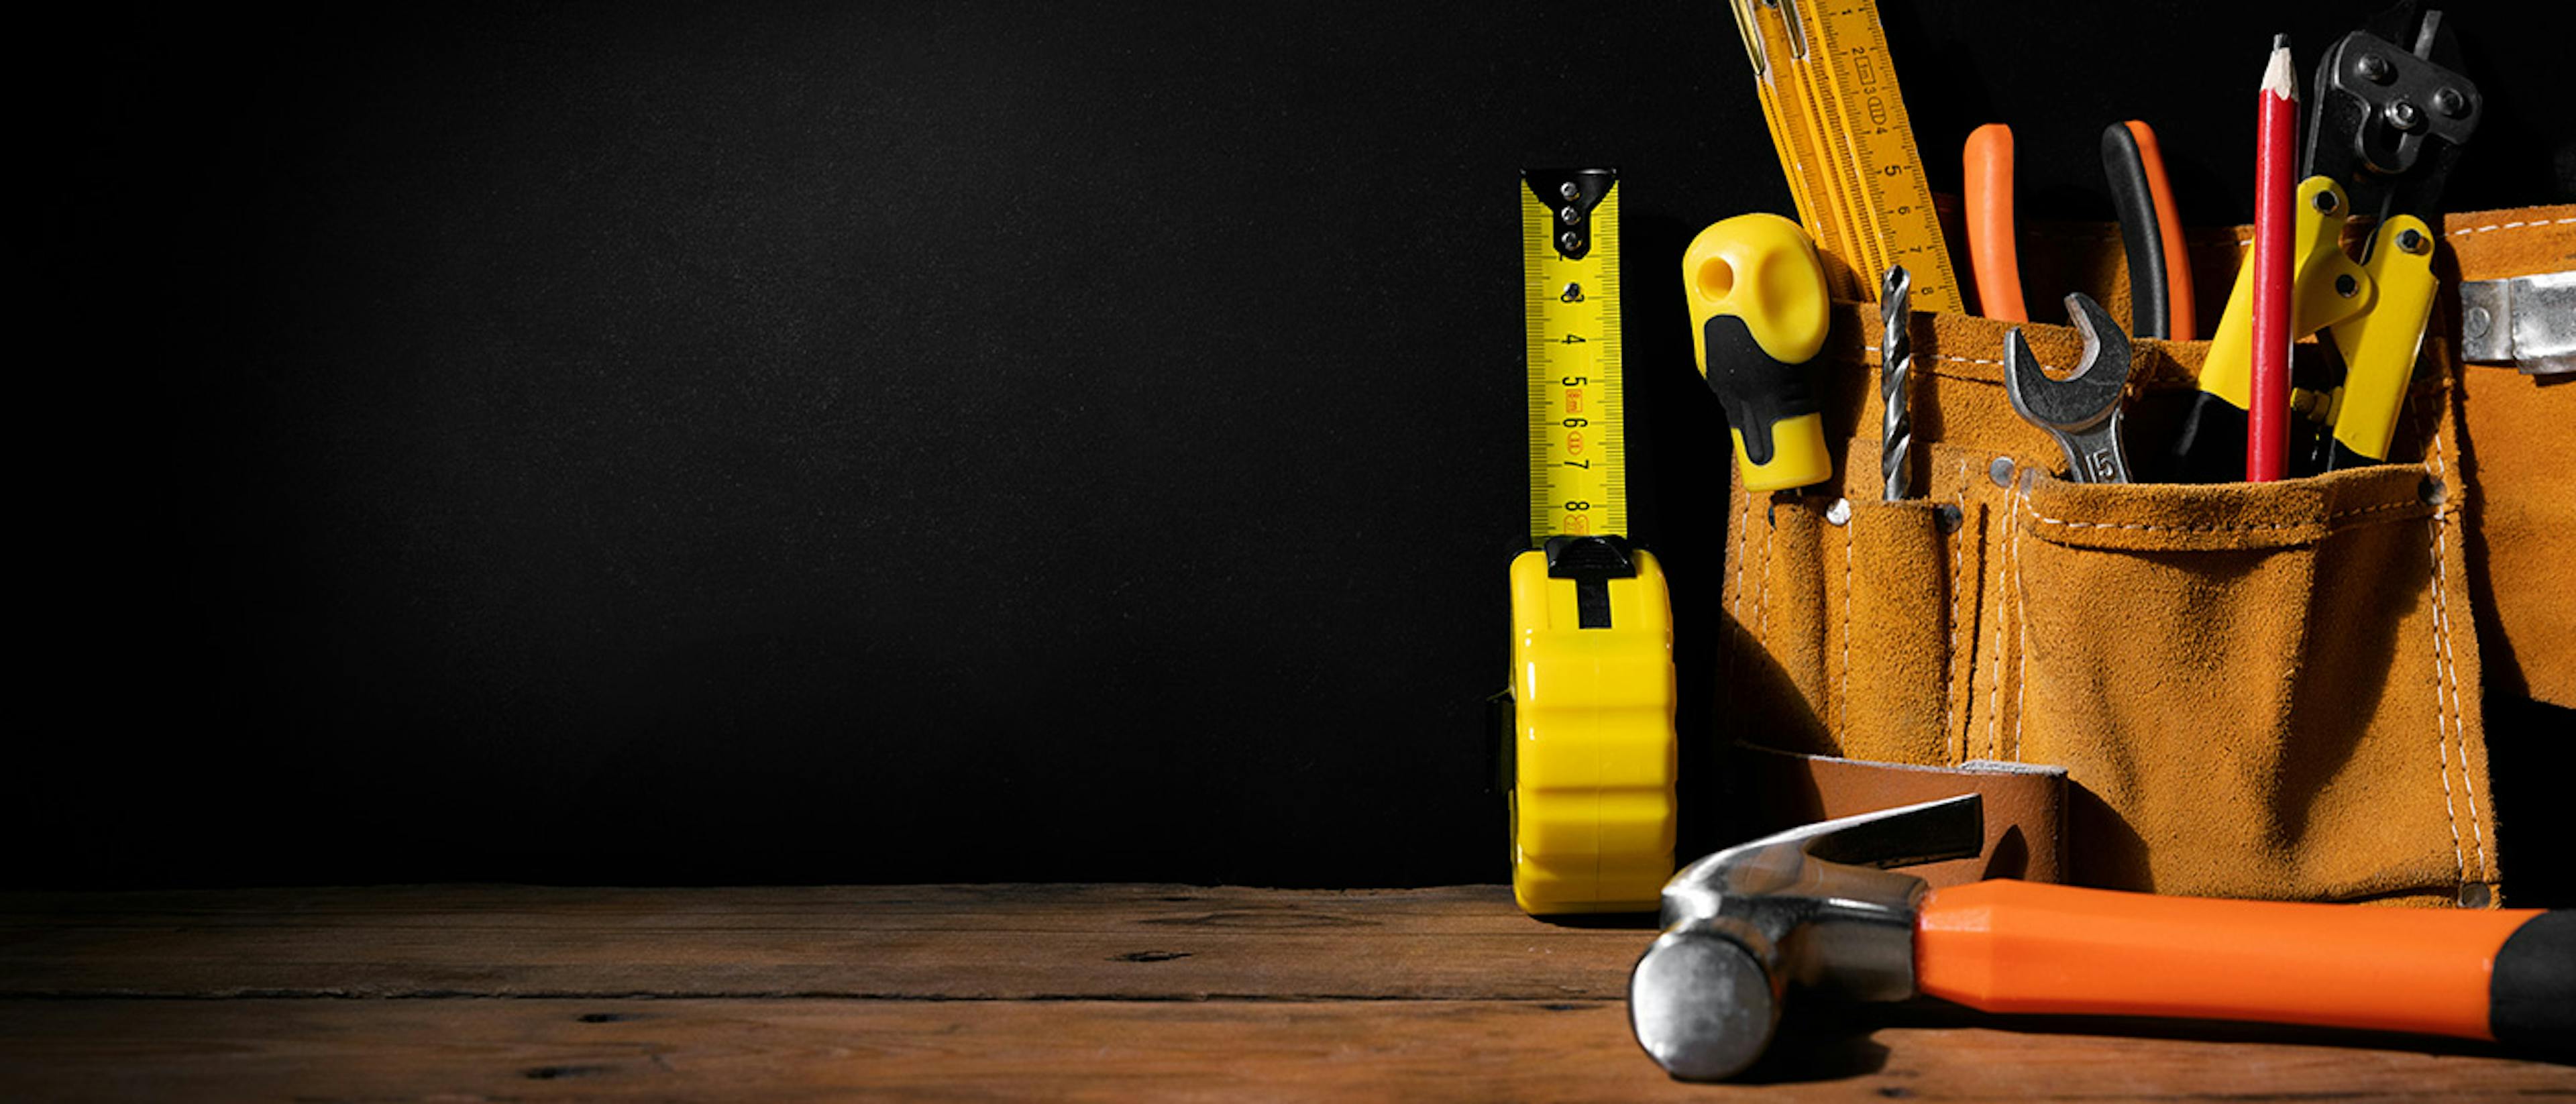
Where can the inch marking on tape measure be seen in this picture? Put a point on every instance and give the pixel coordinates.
(1570, 310)
(1845, 140)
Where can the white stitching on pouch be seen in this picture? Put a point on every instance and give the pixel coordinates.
(2037, 516)
(2511, 226)
(2448, 669)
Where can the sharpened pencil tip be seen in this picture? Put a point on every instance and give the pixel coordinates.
(2279, 77)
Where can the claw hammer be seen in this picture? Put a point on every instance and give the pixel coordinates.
(1814, 908)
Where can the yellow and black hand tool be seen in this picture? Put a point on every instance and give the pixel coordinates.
(2390, 116)
(2326, 288)
(2391, 113)
(2378, 346)
(1589, 742)
(1759, 314)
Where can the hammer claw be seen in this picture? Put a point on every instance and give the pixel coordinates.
(1813, 904)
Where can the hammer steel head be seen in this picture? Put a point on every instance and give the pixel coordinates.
(2089, 394)
(1702, 1006)
(1809, 906)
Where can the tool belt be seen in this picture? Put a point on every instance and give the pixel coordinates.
(2262, 690)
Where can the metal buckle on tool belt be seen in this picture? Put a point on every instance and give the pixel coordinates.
(2527, 321)
(2390, 119)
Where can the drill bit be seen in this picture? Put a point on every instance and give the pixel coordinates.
(1895, 363)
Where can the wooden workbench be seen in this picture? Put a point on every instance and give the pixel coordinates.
(999, 992)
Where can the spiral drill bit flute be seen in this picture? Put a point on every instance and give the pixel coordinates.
(1895, 363)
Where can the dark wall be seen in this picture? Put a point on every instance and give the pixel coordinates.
(901, 441)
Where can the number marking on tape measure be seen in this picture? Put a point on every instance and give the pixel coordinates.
(1570, 310)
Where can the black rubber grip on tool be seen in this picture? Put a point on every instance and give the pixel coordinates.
(2211, 446)
(2531, 998)
(1757, 391)
(2150, 309)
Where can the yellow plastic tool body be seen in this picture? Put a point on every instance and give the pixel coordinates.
(1592, 690)
(1593, 750)
(2380, 343)
(1760, 312)
(2326, 288)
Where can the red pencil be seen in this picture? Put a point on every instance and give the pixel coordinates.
(2267, 433)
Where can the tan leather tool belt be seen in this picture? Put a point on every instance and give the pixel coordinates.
(2254, 690)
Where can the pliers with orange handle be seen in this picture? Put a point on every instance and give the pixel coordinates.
(2160, 290)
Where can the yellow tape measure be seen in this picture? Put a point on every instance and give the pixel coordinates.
(1570, 314)
(1590, 737)
(1838, 121)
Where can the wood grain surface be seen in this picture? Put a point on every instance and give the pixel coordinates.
(1004, 993)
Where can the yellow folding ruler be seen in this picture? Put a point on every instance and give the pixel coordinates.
(1838, 121)
(1590, 738)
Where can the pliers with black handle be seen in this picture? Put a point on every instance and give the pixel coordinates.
(2161, 303)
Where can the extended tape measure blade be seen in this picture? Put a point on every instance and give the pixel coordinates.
(1571, 296)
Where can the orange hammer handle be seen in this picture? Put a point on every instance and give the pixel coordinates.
(2005, 946)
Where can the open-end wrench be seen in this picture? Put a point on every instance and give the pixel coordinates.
(2083, 410)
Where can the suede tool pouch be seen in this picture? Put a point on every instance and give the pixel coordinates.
(2256, 690)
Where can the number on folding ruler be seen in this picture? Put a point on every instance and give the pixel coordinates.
(1839, 125)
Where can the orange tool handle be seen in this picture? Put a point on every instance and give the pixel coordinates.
(1993, 257)
(2182, 316)
(2006, 946)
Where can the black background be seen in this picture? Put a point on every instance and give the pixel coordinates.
(903, 441)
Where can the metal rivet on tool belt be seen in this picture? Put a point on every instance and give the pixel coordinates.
(2373, 68)
(2001, 471)
(1839, 513)
(1948, 518)
(2475, 896)
(2413, 241)
(2475, 325)
(2432, 491)
(2403, 114)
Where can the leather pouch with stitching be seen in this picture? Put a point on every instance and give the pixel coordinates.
(2266, 691)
